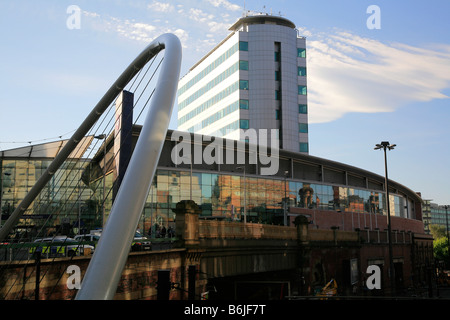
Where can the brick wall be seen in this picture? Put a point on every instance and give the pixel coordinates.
(139, 278)
(349, 221)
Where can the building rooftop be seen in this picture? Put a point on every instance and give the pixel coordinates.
(262, 19)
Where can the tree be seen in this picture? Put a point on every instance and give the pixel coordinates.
(440, 248)
(440, 243)
(438, 231)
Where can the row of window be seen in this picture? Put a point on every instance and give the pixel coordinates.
(301, 53)
(242, 46)
(211, 84)
(215, 117)
(209, 68)
(228, 128)
(207, 104)
(244, 104)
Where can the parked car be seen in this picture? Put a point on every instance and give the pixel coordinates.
(87, 237)
(62, 245)
(140, 242)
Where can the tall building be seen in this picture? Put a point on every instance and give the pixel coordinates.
(435, 214)
(254, 79)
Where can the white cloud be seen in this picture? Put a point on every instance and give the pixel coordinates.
(213, 17)
(348, 73)
(200, 16)
(160, 6)
(226, 4)
(138, 31)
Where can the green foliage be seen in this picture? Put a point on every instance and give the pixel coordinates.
(438, 231)
(440, 248)
(440, 242)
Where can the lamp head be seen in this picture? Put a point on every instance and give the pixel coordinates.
(384, 145)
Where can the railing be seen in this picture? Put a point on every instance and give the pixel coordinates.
(378, 236)
(330, 235)
(237, 230)
(26, 251)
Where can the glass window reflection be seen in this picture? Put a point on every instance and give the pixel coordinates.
(227, 196)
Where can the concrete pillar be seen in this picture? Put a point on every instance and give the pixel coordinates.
(301, 222)
(186, 222)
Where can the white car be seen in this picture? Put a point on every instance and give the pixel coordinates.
(87, 237)
(140, 242)
(62, 245)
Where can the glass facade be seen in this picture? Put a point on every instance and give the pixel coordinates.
(229, 197)
(222, 196)
(63, 202)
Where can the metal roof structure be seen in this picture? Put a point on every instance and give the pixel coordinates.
(47, 150)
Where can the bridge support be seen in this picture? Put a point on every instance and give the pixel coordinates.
(186, 225)
(301, 222)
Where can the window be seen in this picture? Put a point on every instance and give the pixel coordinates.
(277, 114)
(303, 127)
(243, 65)
(302, 71)
(303, 108)
(301, 52)
(277, 95)
(276, 56)
(243, 84)
(243, 104)
(302, 90)
(277, 75)
(243, 124)
(243, 45)
(303, 147)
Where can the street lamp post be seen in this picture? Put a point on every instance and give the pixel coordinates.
(386, 145)
(245, 194)
(448, 238)
(103, 137)
(285, 200)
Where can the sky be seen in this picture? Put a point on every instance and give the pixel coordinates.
(374, 73)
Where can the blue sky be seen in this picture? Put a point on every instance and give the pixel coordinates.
(364, 85)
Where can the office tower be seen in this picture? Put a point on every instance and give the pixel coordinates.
(254, 79)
